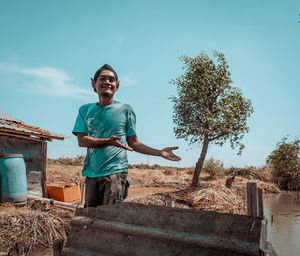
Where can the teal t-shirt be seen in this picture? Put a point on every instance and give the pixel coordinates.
(116, 119)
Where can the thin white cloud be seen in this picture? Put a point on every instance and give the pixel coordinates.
(46, 72)
(127, 80)
(48, 80)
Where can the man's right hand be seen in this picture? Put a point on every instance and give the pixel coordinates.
(114, 141)
(86, 141)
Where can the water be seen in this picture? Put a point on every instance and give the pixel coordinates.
(142, 192)
(284, 230)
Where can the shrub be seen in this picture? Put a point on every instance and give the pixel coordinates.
(248, 172)
(285, 164)
(214, 168)
(264, 173)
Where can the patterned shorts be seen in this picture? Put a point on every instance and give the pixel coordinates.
(110, 189)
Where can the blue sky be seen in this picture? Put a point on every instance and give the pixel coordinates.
(50, 49)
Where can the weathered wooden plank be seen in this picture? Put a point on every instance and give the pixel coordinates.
(252, 201)
(260, 203)
(58, 245)
(29, 133)
(44, 171)
(25, 137)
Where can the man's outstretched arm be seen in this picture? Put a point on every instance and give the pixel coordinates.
(139, 147)
(87, 141)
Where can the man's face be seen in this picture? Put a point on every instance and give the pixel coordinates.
(106, 84)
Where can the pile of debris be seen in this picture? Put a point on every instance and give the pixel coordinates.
(220, 199)
(209, 196)
(25, 229)
(267, 187)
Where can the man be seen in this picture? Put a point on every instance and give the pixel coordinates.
(107, 130)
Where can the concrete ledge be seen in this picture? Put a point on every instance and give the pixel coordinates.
(136, 229)
(164, 235)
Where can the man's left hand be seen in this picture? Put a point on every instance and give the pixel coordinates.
(168, 154)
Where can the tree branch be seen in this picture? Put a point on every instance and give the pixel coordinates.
(218, 136)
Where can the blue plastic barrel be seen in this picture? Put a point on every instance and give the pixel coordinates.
(13, 184)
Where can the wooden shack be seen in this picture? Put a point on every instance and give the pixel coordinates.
(17, 137)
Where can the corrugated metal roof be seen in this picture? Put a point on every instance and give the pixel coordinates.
(8, 117)
(13, 125)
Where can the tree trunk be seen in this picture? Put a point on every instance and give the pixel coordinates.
(200, 162)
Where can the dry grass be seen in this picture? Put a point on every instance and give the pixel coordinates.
(77, 161)
(206, 197)
(69, 173)
(209, 196)
(24, 230)
(215, 196)
(138, 177)
(220, 199)
(163, 177)
(241, 182)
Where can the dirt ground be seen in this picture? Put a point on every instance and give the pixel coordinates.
(30, 231)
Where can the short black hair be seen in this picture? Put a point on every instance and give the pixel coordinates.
(105, 67)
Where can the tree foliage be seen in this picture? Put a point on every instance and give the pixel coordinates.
(208, 108)
(285, 164)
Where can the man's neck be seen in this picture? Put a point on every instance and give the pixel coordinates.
(105, 101)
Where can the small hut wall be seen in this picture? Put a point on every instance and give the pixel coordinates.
(31, 149)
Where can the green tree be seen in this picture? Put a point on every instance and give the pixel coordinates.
(285, 164)
(208, 109)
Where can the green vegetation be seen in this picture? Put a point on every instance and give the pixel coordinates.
(208, 108)
(285, 164)
(214, 168)
(248, 172)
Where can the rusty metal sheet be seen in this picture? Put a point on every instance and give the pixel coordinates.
(11, 124)
(5, 116)
(14, 127)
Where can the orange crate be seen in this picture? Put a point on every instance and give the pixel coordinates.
(68, 192)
